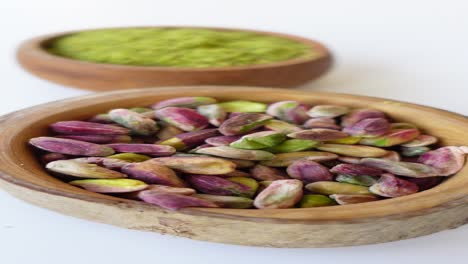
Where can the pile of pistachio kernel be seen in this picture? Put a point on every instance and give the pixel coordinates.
(198, 152)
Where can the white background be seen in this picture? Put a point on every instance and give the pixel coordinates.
(414, 51)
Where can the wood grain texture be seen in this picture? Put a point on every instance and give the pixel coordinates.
(443, 207)
(101, 77)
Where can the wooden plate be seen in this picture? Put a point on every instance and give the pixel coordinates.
(95, 76)
(443, 207)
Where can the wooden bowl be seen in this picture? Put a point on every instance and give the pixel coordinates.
(97, 76)
(443, 207)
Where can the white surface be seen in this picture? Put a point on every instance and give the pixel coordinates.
(409, 50)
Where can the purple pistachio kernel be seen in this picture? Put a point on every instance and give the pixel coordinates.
(356, 170)
(309, 171)
(409, 169)
(447, 160)
(330, 111)
(210, 184)
(70, 146)
(243, 123)
(87, 128)
(172, 201)
(222, 140)
(137, 123)
(110, 163)
(190, 139)
(149, 149)
(369, 127)
(49, 157)
(392, 138)
(321, 122)
(420, 141)
(101, 139)
(153, 173)
(280, 194)
(265, 173)
(359, 114)
(189, 102)
(319, 134)
(289, 111)
(184, 118)
(390, 186)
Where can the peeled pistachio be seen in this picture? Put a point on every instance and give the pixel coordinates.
(170, 189)
(234, 153)
(222, 140)
(82, 170)
(392, 156)
(265, 173)
(346, 140)
(70, 146)
(218, 186)
(110, 163)
(309, 171)
(281, 126)
(130, 157)
(214, 112)
(319, 134)
(87, 128)
(259, 140)
(394, 137)
(410, 169)
(353, 150)
(49, 157)
(172, 201)
(343, 199)
(414, 151)
(357, 115)
(168, 131)
(420, 141)
(328, 111)
(369, 127)
(227, 201)
(197, 165)
(189, 102)
(315, 200)
(190, 139)
(101, 118)
(364, 180)
(279, 194)
(286, 159)
(356, 170)
(136, 122)
(149, 149)
(321, 122)
(249, 182)
(110, 185)
(243, 123)
(183, 118)
(391, 186)
(329, 187)
(289, 111)
(293, 145)
(153, 173)
(243, 106)
(100, 139)
(447, 160)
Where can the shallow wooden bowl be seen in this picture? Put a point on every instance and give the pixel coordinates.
(101, 77)
(443, 207)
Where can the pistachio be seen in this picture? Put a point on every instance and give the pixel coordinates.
(87, 128)
(153, 173)
(170, 189)
(315, 200)
(82, 170)
(279, 194)
(329, 187)
(222, 140)
(234, 153)
(369, 127)
(281, 126)
(249, 182)
(130, 157)
(447, 160)
(110, 163)
(137, 123)
(140, 110)
(243, 123)
(110, 185)
(356, 170)
(101, 139)
(321, 122)
(197, 165)
(289, 111)
(286, 159)
(319, 134)
(168, 131)
(188, 102)
(101, 118)
(49, 157)
(172, 201)
(391, 186)
(363, 180)
(183, 118)
(309, 171)
(259, 140)
(214, 112)
(149, 149)
(70, 146)
(293, 145)
(227, 201)
(343, 199)
(190, 139)
(353, 150)
(409, 169)
(218, 186)
(243, 106)
(394, 137)
(328, 111)
(357, 115)
(414, 151)
(265, 173)
(420, 141)
(346, 141)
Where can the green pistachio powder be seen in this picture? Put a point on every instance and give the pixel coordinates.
(177, 47)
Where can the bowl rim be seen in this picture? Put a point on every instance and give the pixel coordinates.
(442, 196)
(36, 47)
